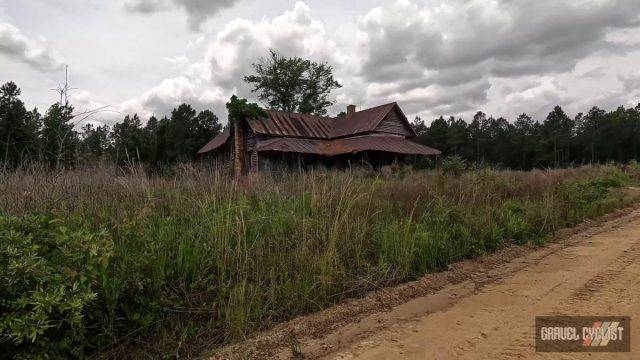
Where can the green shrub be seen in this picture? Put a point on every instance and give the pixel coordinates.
(586, 198)
(194, 261)
(514, 221)
(48, 276)
(493, 237)
(453, 164)
(424, 163)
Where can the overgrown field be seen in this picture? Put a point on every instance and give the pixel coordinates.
(101, 262)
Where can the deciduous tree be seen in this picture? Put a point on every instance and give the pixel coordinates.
(293, 84)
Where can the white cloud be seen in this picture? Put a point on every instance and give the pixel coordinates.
(434, 58)
(35, 53)
(180, 60)
(242, 42)
(172, 92)
(631, 81)
(408, 47)
(538, 97)
(595, 72)
(210, 83)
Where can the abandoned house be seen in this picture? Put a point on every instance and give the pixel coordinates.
(373, 137)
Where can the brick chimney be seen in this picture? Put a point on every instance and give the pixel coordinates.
(351, 109)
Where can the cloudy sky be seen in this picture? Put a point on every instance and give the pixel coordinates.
(434, 57)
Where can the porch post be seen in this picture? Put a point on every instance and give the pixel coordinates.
(254, 161)
(239, 146)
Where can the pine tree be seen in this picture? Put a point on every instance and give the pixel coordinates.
(19, 128)
(59, 139)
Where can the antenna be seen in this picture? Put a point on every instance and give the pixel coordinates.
(77, 117)
(64, 89)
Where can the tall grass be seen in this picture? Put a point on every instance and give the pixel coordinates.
(194, 259)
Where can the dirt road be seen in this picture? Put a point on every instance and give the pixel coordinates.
(478, 309)
(598, 273)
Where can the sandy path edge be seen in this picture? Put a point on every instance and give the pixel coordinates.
(353, 328)
(597, 275)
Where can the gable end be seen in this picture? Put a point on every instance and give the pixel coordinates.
(395, 123)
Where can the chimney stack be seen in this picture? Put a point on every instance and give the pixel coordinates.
(351, 109)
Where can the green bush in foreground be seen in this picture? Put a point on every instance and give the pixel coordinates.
(48, 280)
(172, 266)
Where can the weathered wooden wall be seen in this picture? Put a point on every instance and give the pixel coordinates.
(393, 124)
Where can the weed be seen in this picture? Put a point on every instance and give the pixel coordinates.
(172, 265)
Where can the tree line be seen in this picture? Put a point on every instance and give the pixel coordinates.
(597, 136)
(299, 85)
(28, 137)
(288, 84)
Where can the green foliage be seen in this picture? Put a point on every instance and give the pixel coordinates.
(558, 141)
(424, 163)
(513, 217)
(53, 140)
(95, 141)
(18, 128)
(241, 110)
(586, 198)
(436, 135)
(59, 140)
(180, 137)
(49, 272)
(166, 141)
(195, 260)
(453, 164)
(298, 85)
(130, 141)
(293, 84)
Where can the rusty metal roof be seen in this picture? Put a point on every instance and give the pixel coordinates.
(280, 123)
(350, 145)
(361, 121)
(217, 141)
(312, 134)
(305, 146)
(395, 144)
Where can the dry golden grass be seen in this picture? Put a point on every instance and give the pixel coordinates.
(199, 259)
